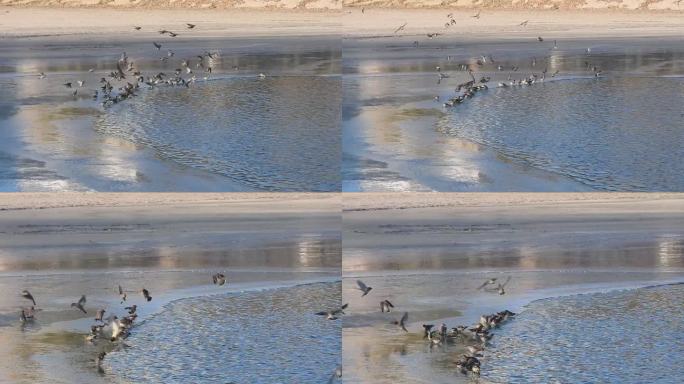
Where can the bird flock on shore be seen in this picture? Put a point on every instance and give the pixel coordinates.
(126, 78)
(474, 339)
(111, 330)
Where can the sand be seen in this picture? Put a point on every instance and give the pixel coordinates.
(117, 24)
(504, 24)
(186, 4)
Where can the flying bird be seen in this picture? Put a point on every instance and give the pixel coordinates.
(386, 306)
(363, 287)
(219, 279)
(402, 322)
(146, 294)
(190, 26)
(401, 28)
(332, 314)
(122, 294)
(80, 304)
(27, 295)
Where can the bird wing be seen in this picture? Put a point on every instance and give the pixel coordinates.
(120, 70)
(82, 300)
(388, 303)
(483, 285)
(322, 313)
(506, 282)
(120, 290)
(403, 320)
(361, 285)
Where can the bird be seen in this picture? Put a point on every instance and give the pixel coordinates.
(157, 45)
(27, 315)
(477, 16)
(27, 295)
(42, 75)
(122, 294)
(386, 306)
(427, 328)
(539, 38)
(137, 28)
(117, 329)
(262, 76)
(402, 322)
(190, 26)
(146, 294)
(80, 304)
(486, 283)
(99, 314)
(68, 85)
(131, 310)
(400, 28)
(500, 288)
(337, 374)
(99, 360)
(523, 24)
(80, 83)
(219, 279)
(363, 287)
(332, 314)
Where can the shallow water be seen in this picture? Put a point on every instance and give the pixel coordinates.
(269, 336)
(278, 133)
(233, 132)
(376, 351)
(622, 132)
(628, 336)
(609, 134)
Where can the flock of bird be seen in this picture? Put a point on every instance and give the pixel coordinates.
(126, 79)
(112, 329)
(467, 90)
(474, 338)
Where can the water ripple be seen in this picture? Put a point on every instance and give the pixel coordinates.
(269, 336)
(279, 133)
(620, 133)
(628, 336)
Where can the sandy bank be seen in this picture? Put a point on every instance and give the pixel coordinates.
(192, 4)
(118, 23)
(502, 24)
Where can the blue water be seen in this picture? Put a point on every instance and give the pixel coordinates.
(617, 133)
(278, 133)
(270, 336)
(629, 336)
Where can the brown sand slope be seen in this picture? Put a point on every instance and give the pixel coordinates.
(198, 4)
(521, 4)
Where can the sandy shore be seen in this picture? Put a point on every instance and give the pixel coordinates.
(662, 202)
(118, 23)
(504, 24)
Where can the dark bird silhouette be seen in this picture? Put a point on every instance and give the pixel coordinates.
(27, 295)
(80, 304)
(401, 28)
(363, 287)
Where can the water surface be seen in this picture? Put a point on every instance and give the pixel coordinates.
(621, 132)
